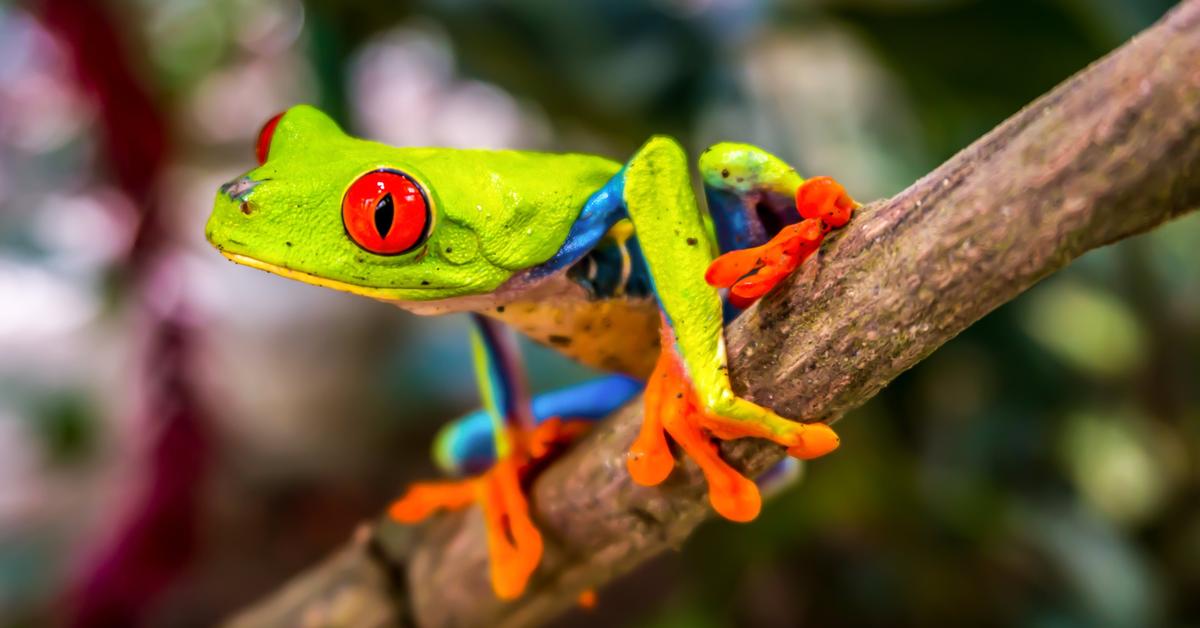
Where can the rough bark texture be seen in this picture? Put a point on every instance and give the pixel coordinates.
(1110, 153)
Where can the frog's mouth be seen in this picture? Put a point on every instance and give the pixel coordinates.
(383, 294)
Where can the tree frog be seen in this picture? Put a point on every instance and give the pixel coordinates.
(612, 264)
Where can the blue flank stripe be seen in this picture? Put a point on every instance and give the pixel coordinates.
(466, 445)
(733, 223)
(599, 214)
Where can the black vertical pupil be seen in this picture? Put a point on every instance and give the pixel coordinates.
(385, 214)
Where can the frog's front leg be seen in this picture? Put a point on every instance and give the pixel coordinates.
(768, 219)
(689, 395)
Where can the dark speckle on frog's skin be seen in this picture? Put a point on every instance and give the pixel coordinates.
(559, 341)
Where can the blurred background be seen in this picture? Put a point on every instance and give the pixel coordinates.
(179, 435)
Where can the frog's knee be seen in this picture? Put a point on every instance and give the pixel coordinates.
(725, 164)
(721, 401)
(663, 151)
(743, 168)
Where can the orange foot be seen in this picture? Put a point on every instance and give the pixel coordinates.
(514, 543)
(751, 273)
(672, 407)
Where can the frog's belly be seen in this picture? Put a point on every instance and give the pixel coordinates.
(619, 334)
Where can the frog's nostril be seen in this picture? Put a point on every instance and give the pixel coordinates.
(239, 188)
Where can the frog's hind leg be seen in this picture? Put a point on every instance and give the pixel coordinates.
(672, 408)
(422, 499)
(689, 396)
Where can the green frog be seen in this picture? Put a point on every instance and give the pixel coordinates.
(615, 265)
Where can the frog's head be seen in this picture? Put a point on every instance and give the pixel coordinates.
(358, 216)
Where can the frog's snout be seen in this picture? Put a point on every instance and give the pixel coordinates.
(238, 189)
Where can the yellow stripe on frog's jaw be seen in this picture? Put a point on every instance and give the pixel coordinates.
(411, 301)
(324, 282)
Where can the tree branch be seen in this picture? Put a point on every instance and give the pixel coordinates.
(1110, 153)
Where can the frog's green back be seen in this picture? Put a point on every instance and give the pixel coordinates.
(494, 213)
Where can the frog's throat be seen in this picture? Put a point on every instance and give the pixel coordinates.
(302, 276)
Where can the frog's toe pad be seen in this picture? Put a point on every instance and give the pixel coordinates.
(650, 460)
(823, 199)
(816, 440)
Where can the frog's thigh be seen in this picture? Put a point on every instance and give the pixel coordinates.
(660, 202)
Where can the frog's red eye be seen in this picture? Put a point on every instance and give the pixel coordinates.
(385, 212)
(262, 147)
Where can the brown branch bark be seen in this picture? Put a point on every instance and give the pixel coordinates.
(1112, 152)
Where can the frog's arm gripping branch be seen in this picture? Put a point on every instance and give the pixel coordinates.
(1111, 153)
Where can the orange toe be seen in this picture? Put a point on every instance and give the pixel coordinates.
(826, 200)
(514, 544)
(671, 405)
(817, 439)
(751, 273)
(425, 498)
(732, 266)
(731, 494)
(650, 460)
(753, 287)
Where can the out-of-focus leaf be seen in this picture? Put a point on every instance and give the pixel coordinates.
(1090, 329)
